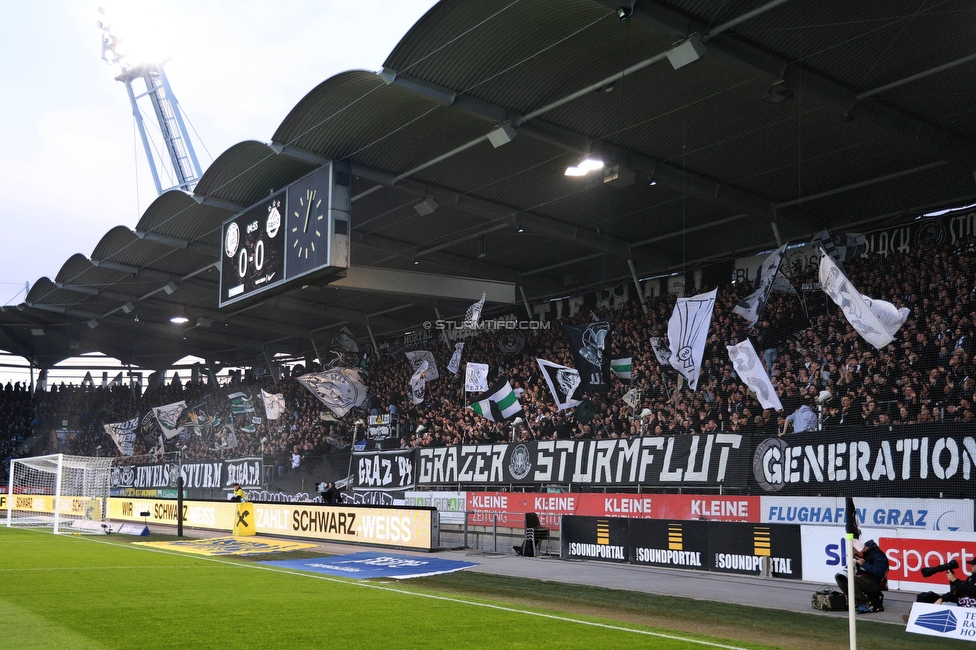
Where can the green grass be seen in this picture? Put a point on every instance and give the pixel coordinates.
(95, 592)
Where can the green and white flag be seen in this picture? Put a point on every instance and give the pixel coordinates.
(622, 367)
(500, 404)
(240, 403)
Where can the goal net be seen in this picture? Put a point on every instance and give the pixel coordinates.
(57, 491)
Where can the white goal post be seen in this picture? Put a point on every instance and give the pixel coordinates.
(54, 491)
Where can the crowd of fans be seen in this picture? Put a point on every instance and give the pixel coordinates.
(815, 359)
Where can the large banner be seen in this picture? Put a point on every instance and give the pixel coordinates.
(215, 474)
(916, 461)
(383, 471)
(674, 461)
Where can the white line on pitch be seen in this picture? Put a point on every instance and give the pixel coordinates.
(367, 585)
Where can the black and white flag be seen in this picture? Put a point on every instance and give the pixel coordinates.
(860, 310)
(340, 389)
(274, 404)
(588, 344)
(416, 357)
(661, 351)
(750, 369)
(168, 417)
(473, 315)
(752, 305)
(687, 333)
(418, 383)
(475, 377)
(562, 382)
(123, 434)
(455, 363)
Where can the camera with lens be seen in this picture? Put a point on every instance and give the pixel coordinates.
(929, 571)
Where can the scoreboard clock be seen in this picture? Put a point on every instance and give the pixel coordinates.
(252, 255)
(299, 232)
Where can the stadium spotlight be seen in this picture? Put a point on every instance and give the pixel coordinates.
(425, 207)
(778, 93)
(585, 166)
(179, 319)
(652, 182)
(623, 13)
(416, 261)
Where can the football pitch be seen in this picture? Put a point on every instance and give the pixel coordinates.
(70, 591)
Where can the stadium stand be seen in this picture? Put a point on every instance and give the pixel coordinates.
(924, 376)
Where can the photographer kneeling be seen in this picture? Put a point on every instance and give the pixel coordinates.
(961, 592)
(869, 575)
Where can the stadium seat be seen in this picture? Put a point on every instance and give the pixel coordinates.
(534, 531)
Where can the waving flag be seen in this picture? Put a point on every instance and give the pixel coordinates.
(562, 382)
(687, 333)
(752, 305)
(274, 404)
(123, 434)
(240, 403)
(750, 369)
(418, 383)
(500, 404)
(475, 377)
(661, 351)
(416, 357)
(473, 315)
(455, 363)
(340, 389)
(857, 311)
(167, 417)
(622, 367)
(588, 344)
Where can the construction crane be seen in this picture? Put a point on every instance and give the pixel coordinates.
(169, 120)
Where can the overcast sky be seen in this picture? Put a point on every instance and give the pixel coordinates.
(70, 168)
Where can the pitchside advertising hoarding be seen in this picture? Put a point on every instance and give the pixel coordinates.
(398, 527)
(725, 547)
(824, 554)
(509, 508)
(948, 515)
(450, 505)
(89, 507)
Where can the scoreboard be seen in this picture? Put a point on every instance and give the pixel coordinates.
(302, 231)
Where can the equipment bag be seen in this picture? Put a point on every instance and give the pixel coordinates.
(829, 599)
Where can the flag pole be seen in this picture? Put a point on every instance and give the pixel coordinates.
(851, 622)
(852, 532)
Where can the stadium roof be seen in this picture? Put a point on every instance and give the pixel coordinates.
(787, 117)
